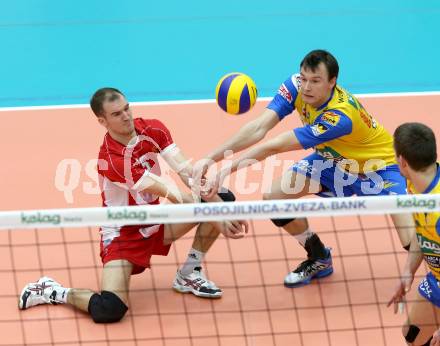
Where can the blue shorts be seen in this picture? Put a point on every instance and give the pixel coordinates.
(429, 289)
(338, 183)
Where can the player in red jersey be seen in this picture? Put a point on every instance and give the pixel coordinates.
(130, 175)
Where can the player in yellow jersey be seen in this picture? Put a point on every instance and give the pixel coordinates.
(417, 157)
(353, 154)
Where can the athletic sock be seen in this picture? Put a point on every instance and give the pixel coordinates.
(193, 260)
(302, 238)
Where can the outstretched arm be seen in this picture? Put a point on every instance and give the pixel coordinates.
(286, 141)
(177, 160)
(251, 133)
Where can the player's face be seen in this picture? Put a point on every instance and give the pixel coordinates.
(316, 88)
(117, 117)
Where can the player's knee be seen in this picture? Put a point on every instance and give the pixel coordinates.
(227, 196)
(106, 307)
(281, 222)
(410, 333)
(271, 195)
(268, 196)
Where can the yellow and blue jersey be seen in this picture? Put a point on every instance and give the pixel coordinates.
(428, 229)
(340, 130)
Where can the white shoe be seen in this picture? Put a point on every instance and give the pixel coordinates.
(308, 270)
(197, 284)
(40, 292)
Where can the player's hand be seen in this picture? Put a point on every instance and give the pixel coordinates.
(402, 289)
(198, 183)
(215, 184)
(200, 168)
(435, 338)
(233, 229)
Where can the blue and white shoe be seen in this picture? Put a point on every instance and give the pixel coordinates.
(308, 270)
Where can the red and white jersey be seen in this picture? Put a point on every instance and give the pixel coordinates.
(120, 169)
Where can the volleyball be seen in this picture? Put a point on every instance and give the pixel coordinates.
(236, 93)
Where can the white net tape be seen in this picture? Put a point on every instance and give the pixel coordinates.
(249, 210)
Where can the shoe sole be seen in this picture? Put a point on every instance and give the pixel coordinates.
(181, 289)
(320, 275)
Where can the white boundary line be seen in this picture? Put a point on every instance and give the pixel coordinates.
(188, 102)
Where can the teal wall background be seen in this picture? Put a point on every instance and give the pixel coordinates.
(59, 52)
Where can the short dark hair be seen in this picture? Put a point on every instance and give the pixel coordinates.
(415, 142)
(315, 57)
(102, 95)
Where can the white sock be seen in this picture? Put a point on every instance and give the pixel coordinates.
(302, 238)
(62, 293)
(193, 260)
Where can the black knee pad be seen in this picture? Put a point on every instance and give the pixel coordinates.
(106, 307)
(225, 196)
(412, 333)
(281, 222)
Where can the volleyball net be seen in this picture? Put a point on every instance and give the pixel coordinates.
(346, 308)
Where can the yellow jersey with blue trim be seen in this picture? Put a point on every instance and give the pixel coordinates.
(428, 228)
(340, 130)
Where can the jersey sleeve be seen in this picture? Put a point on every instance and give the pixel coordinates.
(283, 102)
(160, 134)
(329, 125)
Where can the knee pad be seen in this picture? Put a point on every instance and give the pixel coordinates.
(106, 307)
(412, 333)
(281, 222)
(225, 196)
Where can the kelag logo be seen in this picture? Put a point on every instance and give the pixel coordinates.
(127, 215)
(53, 219)
(411, 203)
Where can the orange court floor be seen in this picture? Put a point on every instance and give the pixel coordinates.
(48, 162)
